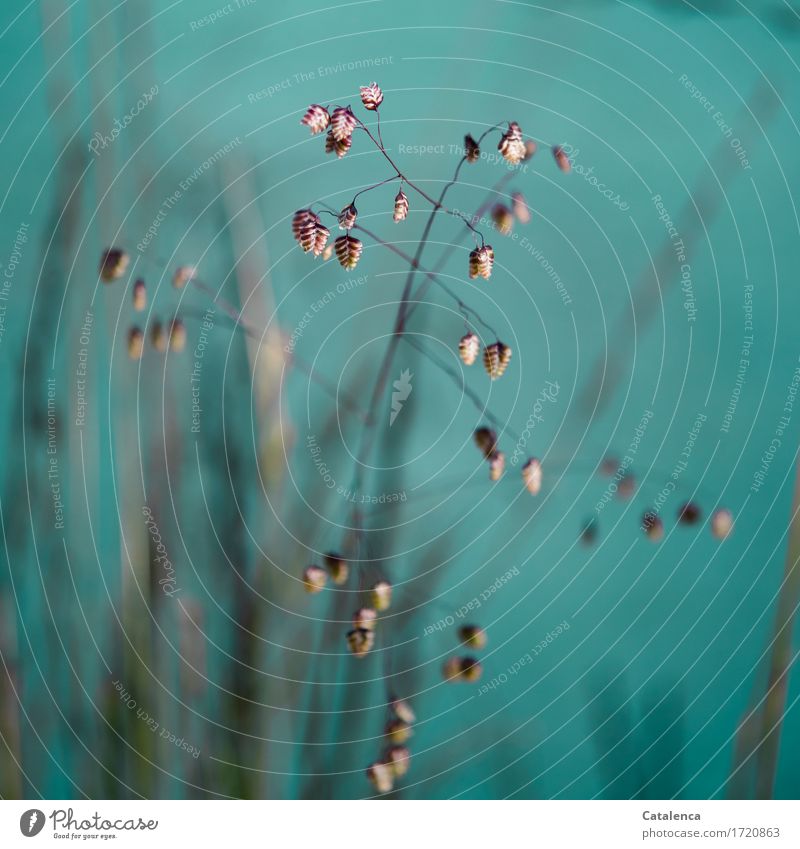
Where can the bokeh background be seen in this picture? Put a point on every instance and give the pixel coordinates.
(223, 677)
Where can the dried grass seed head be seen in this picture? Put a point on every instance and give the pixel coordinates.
(473, 636)
(472, 153)
(402, 710)
(503, 219)
(532, 476)
(139, 295)
(177, 335)
(689, 513)
(398, 758)
(721, 523)
(158, 336)
(462, 669)
(365, 618)
(317, 118)
(371, 96)
(348, 251)
(321, 236)
(381, 595)
(511, 146)
(381, 776)
(497, 465)
(183, 274)
(135, 343)
(400, 206)
(520, 207)
(652, 526)
(113, 264)
(347, 217)
(314, 579)
(397, 731)
(360, 641)
(481, 261)
(486, 440)
(304, 228)
(496, 358)
(337, 567)
(469, 347)
(337, 146)
(343, 122)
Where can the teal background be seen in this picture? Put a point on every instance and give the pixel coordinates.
(668, 644)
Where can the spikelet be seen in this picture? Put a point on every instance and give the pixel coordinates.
(473, 636)
(343, 122)
(511, 145)
(721, 523)
(316, 118)
(177, 335)
(348, 251)
(486, 440)
(530, 150)
(135, 343)
(381, 595)
(468, 348)
(304, 227)
(402, 710)
(481, 261)
(347, 217)
(520, 207)
(365, 619)
(139, 295)
(371, 96)
(381, 776)
(400, 206)
(314, 579)
(398, 758)
(652, 526)
(158, 336)
(497, 465)
(337, 146)
(328, 252)
(689, 514)
(496, 358)
(321, 235)
(183, 274)
(472, 153)
(113, 264)
(397, 731)
(503, 219)
(337, 568)
(462, 669)
(532, 476)
(360, 641)
(561, 158)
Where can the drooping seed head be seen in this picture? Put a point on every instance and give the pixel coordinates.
(304, 228)
(462, 669)
(511, 146)
(158, 336)
(360, 641)
(397, 731)
(381, 595)
(652, 526)
(486, 440)
(135, 343)
(381, 776)
(314, 579)
(561, 158)
(183, 274)
(337, 567)
(402, 710)
(371, 96)
(400, 206)
(721, 523)
(321, 236)
(472, 153)
(343, 122)
(398, 759)
(347, 217)
(532, 476)
(689, 513)
(468, 348)
(496, 358)
(139, 295)
(503, 219)
(520, 207)
(473, 636)
(497, 465)
(177, 335)
(337, 146)
(365, 618)
(113, 264)
(316, 118)
(481, 261)
(348, 251)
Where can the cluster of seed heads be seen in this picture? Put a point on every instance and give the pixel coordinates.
(720, 523)
(396, 757)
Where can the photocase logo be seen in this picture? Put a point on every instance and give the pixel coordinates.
(402, 389)
(31, 822)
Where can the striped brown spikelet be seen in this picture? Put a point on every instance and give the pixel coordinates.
(177, 335)
(400, 206)
(381, 776)
(348, 251)
(497, 465)
(139, 295)
(158, 336)
(469, 347)
(321, 235)
(316, 118)
(113, 264)
(371, 96)
(472, 153)
(347, 217)
(652, 526)
(496, 358)
(343, 122)
(503, 219)
(532, 476)
(304, 228)
(337, 567)
(337, 146)
(314, 579)
(511, 145)
(486, 440)
(481, 261)
(360, 641)
(473, 636)
(365, 618)
(561, 158)
(397, 758)
(520, 207)
(135, 343)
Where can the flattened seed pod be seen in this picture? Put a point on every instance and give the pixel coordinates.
(348, 251)
(347, 217)
(337, 146)
(314, 579)
(397, 731)
(398, 758)
(486, 440)
(481, 261)
(511, 145)
(503, 219)
(113, 264)
(462, 669)
(365, 618)
(337, 567)
(402, 710)
(343, 122)
(473, 636)
(316, 118)
(520, 207)
(652, 526)
(469, 347)
(721, 523)
(497, 465)
(496, 358)
(371, 96)
(472, 153)
(381, 776)
(381, 595)
(139, 295)
(158, 336)
(689, 514)
(321, 235)
(400, 206)
(177, 335)
(561, 158)
(304, 228)
(532, 476)
(360, 641)
(183, 274)
(135, 343)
